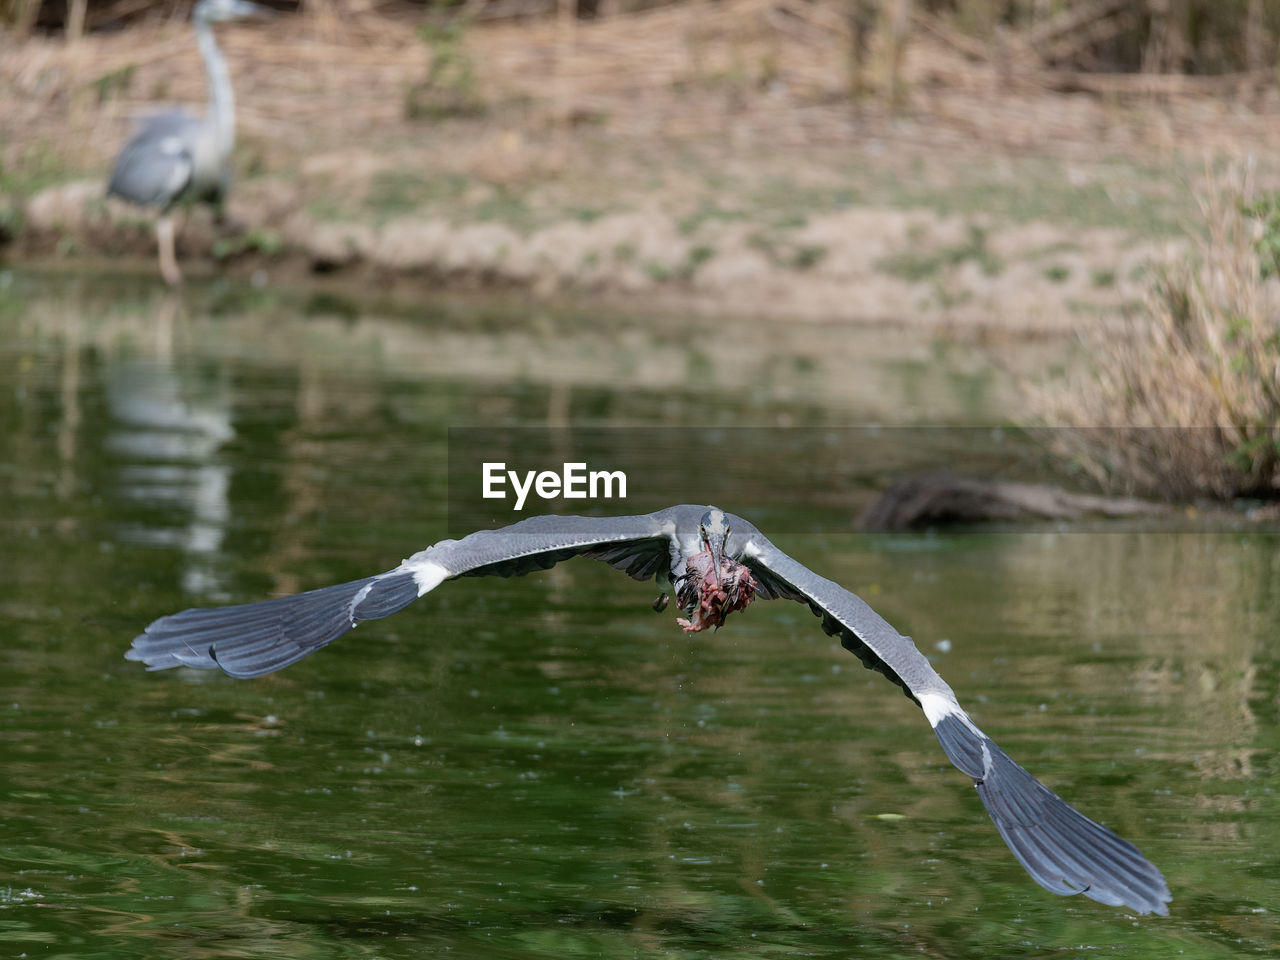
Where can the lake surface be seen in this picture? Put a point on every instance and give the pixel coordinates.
(543, 767)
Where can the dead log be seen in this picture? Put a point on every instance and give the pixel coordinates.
(934, 499)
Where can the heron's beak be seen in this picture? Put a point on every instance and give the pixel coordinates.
(716, 546)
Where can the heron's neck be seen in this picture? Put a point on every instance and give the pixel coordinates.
(222, 101)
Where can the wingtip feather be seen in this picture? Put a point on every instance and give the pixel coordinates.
(251, 639)
(1063, 850)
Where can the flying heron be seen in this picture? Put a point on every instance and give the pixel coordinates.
(175, 156)
(716, 563)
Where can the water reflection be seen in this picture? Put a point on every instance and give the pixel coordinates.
(171, 424)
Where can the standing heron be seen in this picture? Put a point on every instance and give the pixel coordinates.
(716, 563)
(175, 156)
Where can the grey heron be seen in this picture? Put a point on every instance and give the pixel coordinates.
(174, 156)
(716, 563)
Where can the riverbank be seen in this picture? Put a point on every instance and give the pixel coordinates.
(724, 171)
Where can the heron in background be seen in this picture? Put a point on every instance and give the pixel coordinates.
(717, 563)
(175, 156)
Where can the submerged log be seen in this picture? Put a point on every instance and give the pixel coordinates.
(939, 498)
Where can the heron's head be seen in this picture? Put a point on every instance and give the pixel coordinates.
(713, 531)
(216, 11)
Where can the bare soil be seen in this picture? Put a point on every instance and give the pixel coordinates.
(694, 157)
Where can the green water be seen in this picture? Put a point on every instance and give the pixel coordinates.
(544, 767)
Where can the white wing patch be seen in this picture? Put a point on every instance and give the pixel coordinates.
(355, 602)
(936, 706)
(427, 574)
(178, 178)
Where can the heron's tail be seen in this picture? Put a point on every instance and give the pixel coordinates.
(1063, 850)
(251, 639)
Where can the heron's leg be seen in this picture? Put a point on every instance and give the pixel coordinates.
(168, 259)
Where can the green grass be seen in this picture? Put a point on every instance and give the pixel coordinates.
(696, 257)
(501, 206)
(808, 255)
(658, 272)
(453, 196)
(1266, 212)
(706, 210)
(699, 255)
(785, 254)
(1053, 249)
(917, 265)
(328, 207)
(393, 193)
(1145, 200)
(784, 204)
(114, 83)
(10, 219)
(37, 165)
(1149, 201)
(259, 241)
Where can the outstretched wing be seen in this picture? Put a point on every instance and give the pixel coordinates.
(1062, 849)
(251, 639)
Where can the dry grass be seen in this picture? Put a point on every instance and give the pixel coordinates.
(1188, 403)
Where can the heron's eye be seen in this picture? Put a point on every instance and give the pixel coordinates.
(702, 530)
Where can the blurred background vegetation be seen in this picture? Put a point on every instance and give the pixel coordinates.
(1194, 37)
(1184, 36)
(889, 160)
